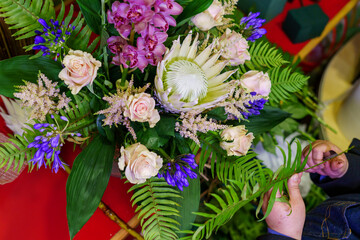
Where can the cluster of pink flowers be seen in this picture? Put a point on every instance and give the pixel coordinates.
(150, 19)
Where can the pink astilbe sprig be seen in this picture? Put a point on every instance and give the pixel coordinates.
(43, 98)
(114, 114)
(150, 19)
(192, 122)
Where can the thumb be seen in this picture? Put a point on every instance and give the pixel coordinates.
(293, 185)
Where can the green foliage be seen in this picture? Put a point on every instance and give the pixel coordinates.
(15, 70)
(188, 203)
(80, 37)
(87, 182)
(16, 150)
(269, 117)
(263, 55)
(284, 82)
(156, 209)
(91, 11)
(251, 184)
(80, 117)
(24, 15)
(192, 8)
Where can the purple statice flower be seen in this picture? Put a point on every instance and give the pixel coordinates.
(251, 26)
(48, 144)
(253, 107)
(176, 172)
(52, 39)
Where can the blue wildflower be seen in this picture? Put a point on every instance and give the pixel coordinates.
(48, 144)
(251, 26)
(176, 172)
(253, 107)
(52, 38)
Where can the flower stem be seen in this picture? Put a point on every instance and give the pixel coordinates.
(105, 54)
(165, 154)
(112, 215)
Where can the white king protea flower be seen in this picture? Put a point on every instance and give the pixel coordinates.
(188, 81)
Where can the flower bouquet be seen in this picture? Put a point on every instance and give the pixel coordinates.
(175, 92)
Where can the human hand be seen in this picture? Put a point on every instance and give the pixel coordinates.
(321, 149)
(283, 218)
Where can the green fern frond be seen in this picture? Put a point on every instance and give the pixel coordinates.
(240, 192)
(24, 14)
(81, 119)
(284, 82)
(16, 150)
(154, 207)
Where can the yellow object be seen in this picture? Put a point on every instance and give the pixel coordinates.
(336, 85)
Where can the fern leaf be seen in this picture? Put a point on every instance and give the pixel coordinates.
(284, 82)
(154, 209)
(16, 151)
(240, 192)
(263, 55)
(24, 14)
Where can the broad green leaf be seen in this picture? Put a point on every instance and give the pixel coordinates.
(14, 70)
(91, 11)
(87, 182)
(192, 9)
(269, 117)
(166, 126)
(189, 203)
(217, 113)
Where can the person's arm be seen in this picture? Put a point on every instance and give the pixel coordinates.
(349, 182)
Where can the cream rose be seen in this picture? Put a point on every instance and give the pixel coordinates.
(141, 108)
(80, 70)
(234, 47)
(255, 81)
(235, 140)
(141, 164)
(211, 17)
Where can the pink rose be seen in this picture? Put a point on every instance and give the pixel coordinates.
(80, 70)
(141, 164)
(234, 47)
(141, 108)
(211, 17)
(255, 81)
(235, 140)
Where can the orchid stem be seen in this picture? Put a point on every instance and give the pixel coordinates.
(112, 215)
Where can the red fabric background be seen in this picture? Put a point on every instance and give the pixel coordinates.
(275, 33)
(34, 205)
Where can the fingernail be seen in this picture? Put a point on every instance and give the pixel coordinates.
(295, 178)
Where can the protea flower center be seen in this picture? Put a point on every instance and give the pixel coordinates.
(187, 79)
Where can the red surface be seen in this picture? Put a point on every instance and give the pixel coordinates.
(34, 206)
(275, 33)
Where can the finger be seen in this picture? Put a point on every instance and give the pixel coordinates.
(294, 191)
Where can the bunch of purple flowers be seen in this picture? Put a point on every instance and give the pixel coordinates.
(254, 106)
(53, 37)
(48, 144)
(176, 172)
(151, 20)
(252, 30)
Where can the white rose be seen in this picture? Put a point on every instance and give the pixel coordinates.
(211, 17)
(80, 70)
(234, 47)
(255, 81)
(141, 164)
(240, 141)
(141, 108)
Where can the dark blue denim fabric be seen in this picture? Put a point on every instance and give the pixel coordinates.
(336, 218)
